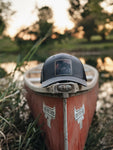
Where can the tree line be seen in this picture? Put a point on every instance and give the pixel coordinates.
(90, 17)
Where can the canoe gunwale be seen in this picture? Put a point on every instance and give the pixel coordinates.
(52, 89)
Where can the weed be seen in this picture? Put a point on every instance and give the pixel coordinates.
(18, 130)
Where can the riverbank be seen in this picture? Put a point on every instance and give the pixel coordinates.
(10, 51)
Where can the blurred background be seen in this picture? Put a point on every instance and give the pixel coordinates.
(83, 28)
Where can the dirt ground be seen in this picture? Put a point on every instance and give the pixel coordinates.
(101, 131)
(105, 113)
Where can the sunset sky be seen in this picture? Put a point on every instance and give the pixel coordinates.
(25, 14)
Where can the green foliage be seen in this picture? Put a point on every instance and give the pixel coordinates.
(74, 10)
(92, 8)
(91, 61)
(8, 50)
(45, 13)
(5, 57)
(38, 30)
(7, 45)
(24, 45)
(64, 43)
(17, 130)
(76, 45)
(91, 16)
(3, 73)
(5, 14)
(44, 27)
(2, 25)
(89, 26)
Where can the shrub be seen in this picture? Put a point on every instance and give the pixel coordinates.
(3, 73)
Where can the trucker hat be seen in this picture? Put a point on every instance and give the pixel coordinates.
(62, 67)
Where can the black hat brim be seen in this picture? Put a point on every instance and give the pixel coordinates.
(64, 78)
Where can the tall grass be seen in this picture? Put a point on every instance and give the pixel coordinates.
(18, 130)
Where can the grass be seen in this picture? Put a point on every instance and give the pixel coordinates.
(7, 45)
(18, 129)
(72, 43)
(9, 49)
(5, 57)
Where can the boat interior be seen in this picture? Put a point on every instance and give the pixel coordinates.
(32, 80)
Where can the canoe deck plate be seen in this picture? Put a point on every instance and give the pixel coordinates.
(50, 113)
(79, 115)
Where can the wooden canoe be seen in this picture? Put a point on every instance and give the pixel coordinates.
(66, 117)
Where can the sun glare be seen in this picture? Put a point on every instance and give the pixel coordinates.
(21, 22)
(106, 5)
(25, 17)
(25, 14)
(61, 18)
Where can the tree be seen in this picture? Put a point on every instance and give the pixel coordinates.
(91, 17)
(95, 10)
(45, 13)
(74, 10)
(2, 25)
(81, 16)
(28, 36)
(89, 26)
(45, 16)
(5, 14)
(40, 27)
